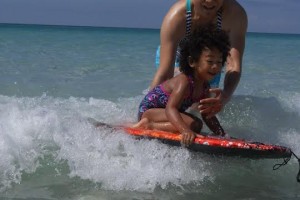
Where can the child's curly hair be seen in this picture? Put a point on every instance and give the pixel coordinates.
(201, 38)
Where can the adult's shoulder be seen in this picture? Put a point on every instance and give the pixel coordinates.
(176, 12)
(174, 21)
(234, 16)
(234, 11)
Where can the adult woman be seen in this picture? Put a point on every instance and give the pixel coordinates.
(181, 19)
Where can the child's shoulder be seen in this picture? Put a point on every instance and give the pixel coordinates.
(182, 76)
(180, 80)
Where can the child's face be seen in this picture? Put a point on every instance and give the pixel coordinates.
(209, 64)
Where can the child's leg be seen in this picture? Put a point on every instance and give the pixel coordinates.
(156, 118)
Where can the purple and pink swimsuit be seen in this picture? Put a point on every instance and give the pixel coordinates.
(158, 98)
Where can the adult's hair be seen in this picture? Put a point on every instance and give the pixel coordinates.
(200, 39)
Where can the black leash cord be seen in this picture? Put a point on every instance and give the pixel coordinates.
(298, 175)
(285, 161)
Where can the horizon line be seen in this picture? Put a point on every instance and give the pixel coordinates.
(115, 27)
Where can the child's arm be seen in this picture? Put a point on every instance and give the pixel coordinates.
(214, 125)
(177, 121)
(180, 88)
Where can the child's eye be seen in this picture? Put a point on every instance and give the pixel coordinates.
(210, 62)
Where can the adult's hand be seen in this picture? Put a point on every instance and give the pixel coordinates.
(214, 104)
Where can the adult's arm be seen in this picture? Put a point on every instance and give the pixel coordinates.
(172, 30)
(238, 23)
(237, 37)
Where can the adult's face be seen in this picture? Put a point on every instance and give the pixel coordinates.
(210, 7)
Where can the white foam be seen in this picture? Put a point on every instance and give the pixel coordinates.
(291, 139)
(31, 127)
(120, 162)
(291, 101)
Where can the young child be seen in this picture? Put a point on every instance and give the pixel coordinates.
(202, 56)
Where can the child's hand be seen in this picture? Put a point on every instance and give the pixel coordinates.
(187, 138)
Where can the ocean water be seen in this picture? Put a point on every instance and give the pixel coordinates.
(52, 78)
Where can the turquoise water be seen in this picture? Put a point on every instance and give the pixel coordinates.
(54, 77)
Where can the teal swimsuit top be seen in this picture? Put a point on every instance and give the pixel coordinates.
(213, 83)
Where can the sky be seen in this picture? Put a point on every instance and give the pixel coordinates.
(275, 16)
